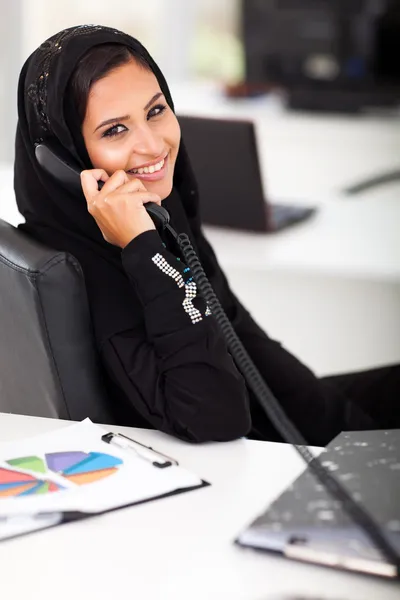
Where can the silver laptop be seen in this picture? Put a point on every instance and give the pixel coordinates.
(305, 523)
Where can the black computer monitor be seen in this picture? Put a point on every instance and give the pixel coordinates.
(335, 55)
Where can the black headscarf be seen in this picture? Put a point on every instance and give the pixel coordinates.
(59, 217)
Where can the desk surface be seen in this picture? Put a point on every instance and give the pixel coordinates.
(179, 547)
(345, 239)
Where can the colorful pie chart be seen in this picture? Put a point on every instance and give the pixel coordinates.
(77, 467)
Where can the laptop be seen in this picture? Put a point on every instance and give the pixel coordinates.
(306, 523)
(225, 161)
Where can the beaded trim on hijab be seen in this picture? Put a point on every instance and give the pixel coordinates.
(37, 91)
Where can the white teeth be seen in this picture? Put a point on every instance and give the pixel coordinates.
(151, 169)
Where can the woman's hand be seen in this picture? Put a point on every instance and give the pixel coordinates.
(118, 208)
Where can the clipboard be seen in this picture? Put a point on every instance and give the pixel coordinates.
(46, 481)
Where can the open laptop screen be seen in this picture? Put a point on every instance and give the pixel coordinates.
(225, 161)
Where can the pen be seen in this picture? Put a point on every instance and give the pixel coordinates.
(157, 459)
(14, 525)
(40, 516)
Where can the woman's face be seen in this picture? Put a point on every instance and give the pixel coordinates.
(128, 125)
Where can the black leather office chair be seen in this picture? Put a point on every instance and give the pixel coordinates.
(48, 363)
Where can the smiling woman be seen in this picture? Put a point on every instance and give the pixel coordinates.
(96, 92)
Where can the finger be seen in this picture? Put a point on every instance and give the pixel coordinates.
(132, 186)
(137, 199)
(116, 181)
(150, 197)
(89, 181)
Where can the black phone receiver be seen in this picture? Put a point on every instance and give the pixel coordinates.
(55, 161)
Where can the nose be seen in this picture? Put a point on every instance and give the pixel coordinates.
(147, 142)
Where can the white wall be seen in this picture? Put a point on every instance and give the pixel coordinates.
(164, 27)
(43, 18)
(10, 62)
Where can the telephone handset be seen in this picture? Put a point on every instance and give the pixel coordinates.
(55, 161)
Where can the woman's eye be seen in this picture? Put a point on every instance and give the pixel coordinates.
(156, 111)
(114, 130)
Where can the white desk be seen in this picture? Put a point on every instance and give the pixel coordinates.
(177, 548)
(329, 289)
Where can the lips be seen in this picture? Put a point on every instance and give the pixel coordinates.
(151, 172)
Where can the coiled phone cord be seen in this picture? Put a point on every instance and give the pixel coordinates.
(274, 411)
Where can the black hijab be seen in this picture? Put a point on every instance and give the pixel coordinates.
(59, 217)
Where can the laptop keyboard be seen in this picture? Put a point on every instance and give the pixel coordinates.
(284, 215)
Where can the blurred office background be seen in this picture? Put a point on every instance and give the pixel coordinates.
(321, 83)
(189, 40)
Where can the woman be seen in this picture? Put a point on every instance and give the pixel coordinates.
(97, 93)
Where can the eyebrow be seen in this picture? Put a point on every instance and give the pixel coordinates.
(154, 98)
(126, 117)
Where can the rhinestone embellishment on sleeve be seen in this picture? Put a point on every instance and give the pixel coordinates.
(190, 288)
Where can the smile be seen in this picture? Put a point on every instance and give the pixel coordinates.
(151, 169)
(153, 172)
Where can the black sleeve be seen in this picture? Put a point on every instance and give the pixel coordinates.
(174, 369)
(318, 409)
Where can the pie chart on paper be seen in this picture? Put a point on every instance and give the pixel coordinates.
(29, 475)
